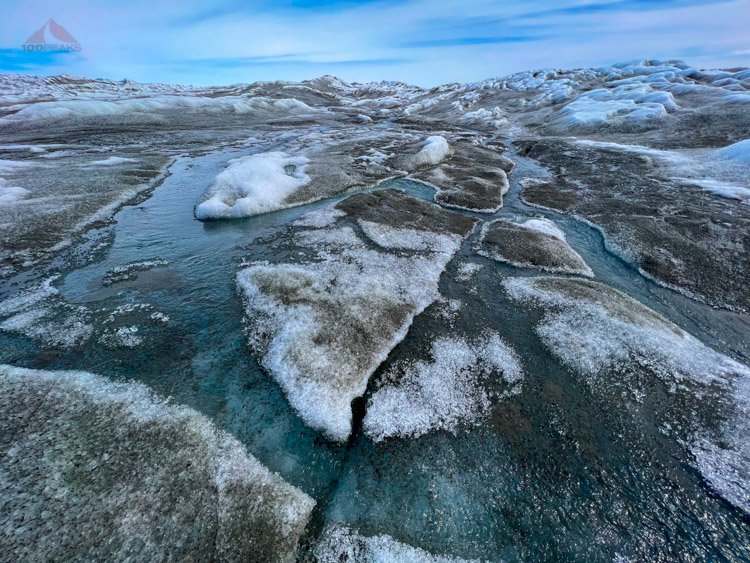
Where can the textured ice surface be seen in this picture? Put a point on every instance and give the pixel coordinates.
(444, 393)
(593, 327)
(148, 107)
(597, 330)
(390, 237)
(252, 185)
(39, 313)
(535, 243)
(323, 327)
(339, 543)
(93, 469)
(738, 152)
(434, 150)
(320, 218)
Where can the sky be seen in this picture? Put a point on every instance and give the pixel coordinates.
(422, 42)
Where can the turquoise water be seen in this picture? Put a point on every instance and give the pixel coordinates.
(562, 471)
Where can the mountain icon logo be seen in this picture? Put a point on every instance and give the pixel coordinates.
(37, 41)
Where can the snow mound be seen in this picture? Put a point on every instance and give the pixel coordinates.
(340, 543)
(738, 152)
(444, 393)
(434, 150)
(78, 440)
(252, 185)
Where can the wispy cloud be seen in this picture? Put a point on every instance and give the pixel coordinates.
(420, 41)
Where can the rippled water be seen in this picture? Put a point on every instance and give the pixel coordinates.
(565, 470)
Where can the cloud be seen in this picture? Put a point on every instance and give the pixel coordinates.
(418, 41)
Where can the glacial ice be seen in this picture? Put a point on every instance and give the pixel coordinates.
(323, 327)
(444, 393)
(596, 330)
(738, 152)
(148, 107)
(339, 543)
(535, 243)
(86, 458)
(252, 185)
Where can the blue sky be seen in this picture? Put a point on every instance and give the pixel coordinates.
(425, 42)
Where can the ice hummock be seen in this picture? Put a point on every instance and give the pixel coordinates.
(434, 150)
(535, 243)
(738, 152)
(253, 184)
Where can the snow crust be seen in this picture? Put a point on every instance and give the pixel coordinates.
(597, 330)
(340, 543)
(252, 185)
(323, 328)
(72, 418)
(444, 393)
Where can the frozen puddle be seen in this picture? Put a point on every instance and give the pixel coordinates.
(324, 325)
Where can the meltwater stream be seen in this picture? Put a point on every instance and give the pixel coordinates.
(556, 472)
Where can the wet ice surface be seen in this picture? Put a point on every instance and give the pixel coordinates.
(504, 423)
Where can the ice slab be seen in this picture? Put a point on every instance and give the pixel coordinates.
(535, 243)
(85, 458)
(322, 327)
(340, 543)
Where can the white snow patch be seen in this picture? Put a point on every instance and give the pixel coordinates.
(597, 329)
(252, 185)
(319, 218)
(323, 328)
(545, 226)
(340, 543)
(112, 161)
(444, 393)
